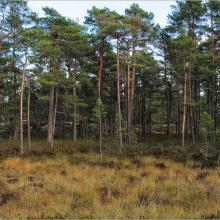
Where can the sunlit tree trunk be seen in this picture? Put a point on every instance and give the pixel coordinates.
(191, 109)
(184, 107)
(133, 82)
(119, 102)
(21, 104)
(74, 115)
(100, 99)
(50, 119)
(28, 115)
(128, 99)
(55, 115)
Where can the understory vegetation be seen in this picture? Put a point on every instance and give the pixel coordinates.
(70, 181)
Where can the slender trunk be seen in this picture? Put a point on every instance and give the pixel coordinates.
(100, 136)
(74, 116)
(74, 120)
(28, 115)
(63, 118)
(168, 113)
(50, 119)
(168, 99)
(100, 75)
(184, 108)
(139, 116)
(178, 115)
(196, 109)
(54, 116)
(119, 102)
(100, 110)
(132, 84)
(128, 100)
(206, 137)
(191, 110)
(86, 127)
(143, 121)
(206, 143)
(21, 104)
(214, 82)
(150, 114)
(105, 125)
(15, 123)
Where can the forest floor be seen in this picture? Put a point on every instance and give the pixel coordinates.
(70, 181)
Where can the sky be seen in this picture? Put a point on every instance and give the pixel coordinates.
(78, 9)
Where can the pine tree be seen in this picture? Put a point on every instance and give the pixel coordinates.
(141, 32)
(186, 21)
(114, 27)
(95, 20)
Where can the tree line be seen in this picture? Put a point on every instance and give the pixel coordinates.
(115, 75)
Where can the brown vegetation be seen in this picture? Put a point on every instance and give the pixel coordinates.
(68, 184)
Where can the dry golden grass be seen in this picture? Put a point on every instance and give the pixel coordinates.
(79, 186)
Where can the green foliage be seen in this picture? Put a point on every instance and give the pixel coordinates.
(98, 110)
(206, 120)
(66, 55)
(207, 127)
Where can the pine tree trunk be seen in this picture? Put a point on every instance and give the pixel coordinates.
(74, 116)
(184, 108)
(99, 93)
(150, 115)
(197, 109)
(50, 119)
(55, 115)
(15, 123)
(168, 100)
(28, 115)
(119, 102)
(139, 116)
(100, 75)
(21, 104)
(178, 116)
(143, 118)
(214, 81)
(133, 84)
(191, 110)
(168, 114)
(128, 100)
(100, 136)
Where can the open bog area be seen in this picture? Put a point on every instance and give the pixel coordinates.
(72, 182)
